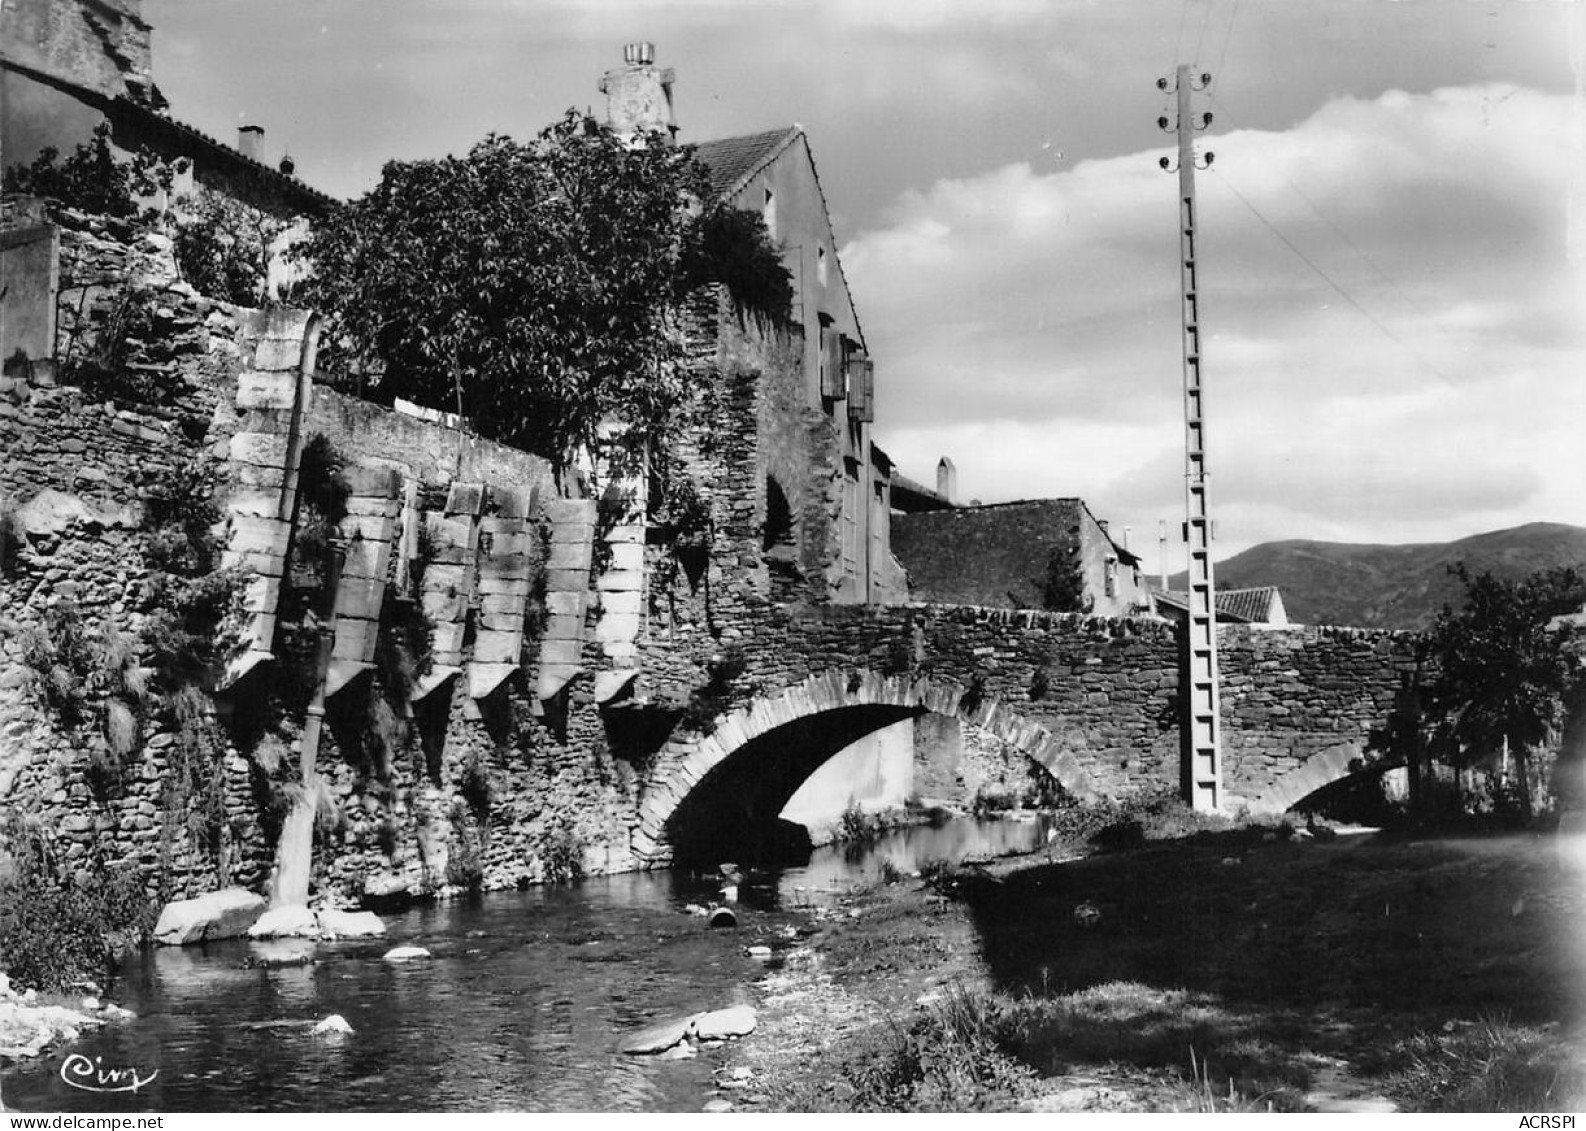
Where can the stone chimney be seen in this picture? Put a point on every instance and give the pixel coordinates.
(250, 142)
(639, 95)
(947, 480)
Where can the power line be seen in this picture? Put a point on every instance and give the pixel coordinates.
(1228, 34)
(1205, 23)
(1334, 284)
(1316, 210)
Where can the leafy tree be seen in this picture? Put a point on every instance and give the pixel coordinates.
(1063, 583)
(731, 246)
(1502, 674)
(92, 179)
(224, 247)
(525, 286)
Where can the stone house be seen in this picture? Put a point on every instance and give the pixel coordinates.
(819, 489)
(826, 486)
(66, 70)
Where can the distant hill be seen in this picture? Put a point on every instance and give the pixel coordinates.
(1393, 586)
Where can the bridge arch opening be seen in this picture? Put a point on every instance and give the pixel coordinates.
(720, 797)
(1373, 795)
(1339, 782)
(734, 812)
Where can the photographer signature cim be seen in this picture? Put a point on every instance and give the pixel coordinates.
(93, 1076)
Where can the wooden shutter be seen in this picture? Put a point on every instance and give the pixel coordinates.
(861, 389)
(834, 384)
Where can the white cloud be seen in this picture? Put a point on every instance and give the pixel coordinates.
(930, 15)
(1039, 313)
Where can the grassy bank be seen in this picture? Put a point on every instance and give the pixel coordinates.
(1216, 971)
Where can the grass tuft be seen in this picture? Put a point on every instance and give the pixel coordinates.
(1491, 1065)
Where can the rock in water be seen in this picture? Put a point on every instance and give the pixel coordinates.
(1087, 914)
(269, 954)
(720, 1024)
(723, 917)
(335, 1023)
(350, 924)
(656, 1038)
(218, 915)
(405, 953)
(294, 921)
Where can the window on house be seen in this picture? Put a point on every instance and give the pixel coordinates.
(780, 552)
(1112, 577)
(820, 265)
(777, 537)
(768, 213)
(850, 519)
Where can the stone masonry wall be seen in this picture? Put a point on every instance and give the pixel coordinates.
(77, 462)
(1292, 693)
(1106, 688)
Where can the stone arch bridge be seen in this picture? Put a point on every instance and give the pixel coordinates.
(1094, 702)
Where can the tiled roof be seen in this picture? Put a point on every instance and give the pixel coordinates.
(180, 134)
(1248, 606)
(907, 495)
(127, 113)
(733, 160)
(994, 556)
(1254, 605)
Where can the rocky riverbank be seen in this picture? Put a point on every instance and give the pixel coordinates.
(31, 1023)
(1359, 973)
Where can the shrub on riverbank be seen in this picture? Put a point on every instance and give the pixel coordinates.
(1130, 821)
(54, 932)
(952, 1057)
(856, 826)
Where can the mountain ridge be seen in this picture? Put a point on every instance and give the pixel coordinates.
(1386, 585)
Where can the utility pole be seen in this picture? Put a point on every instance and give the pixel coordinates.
(1203, 766)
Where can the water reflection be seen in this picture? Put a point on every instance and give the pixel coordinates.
(835, 869)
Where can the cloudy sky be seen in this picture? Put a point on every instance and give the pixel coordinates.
(1393, 276)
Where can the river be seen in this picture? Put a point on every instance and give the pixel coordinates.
(520, 1007)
